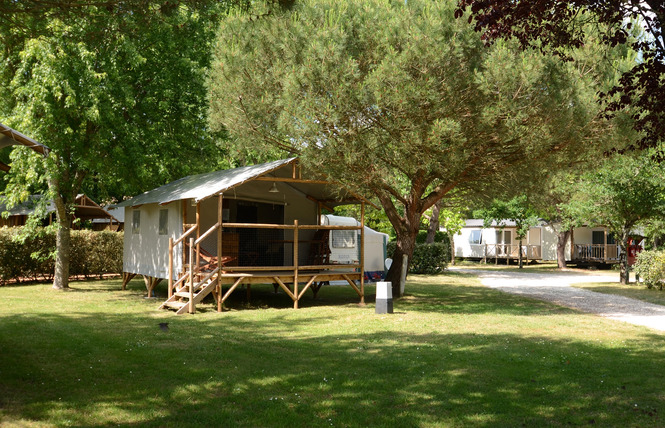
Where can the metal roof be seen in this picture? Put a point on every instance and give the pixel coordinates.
(84, 208)
(242, 183)
(479, 222)
(202, 186)
(11, 137)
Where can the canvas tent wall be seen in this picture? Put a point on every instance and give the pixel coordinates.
(246, 199)
(259, 223)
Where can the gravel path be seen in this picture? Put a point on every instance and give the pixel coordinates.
(555, 287)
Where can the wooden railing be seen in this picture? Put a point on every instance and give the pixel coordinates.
(194, 244)
(597, 252)
(510, 251)
(194, 251)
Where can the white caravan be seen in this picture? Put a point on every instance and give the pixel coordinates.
(344, 247)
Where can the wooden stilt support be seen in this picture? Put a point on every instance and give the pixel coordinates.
(295, 265)
(170, 267)
(126, 277)
(309, 283)
(150, 283)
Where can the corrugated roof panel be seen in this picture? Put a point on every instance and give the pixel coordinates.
(202, 186)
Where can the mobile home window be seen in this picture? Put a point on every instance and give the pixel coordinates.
(163, 222)
(476, 237)
(136, 222)
(343, 238)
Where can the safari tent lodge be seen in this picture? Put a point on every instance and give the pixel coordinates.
(210, 233)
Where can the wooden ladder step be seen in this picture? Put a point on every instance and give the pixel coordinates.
(176, 304)
(183, 294)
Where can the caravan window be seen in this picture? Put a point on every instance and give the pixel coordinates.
(136, 222)
(343, 238)
(163, 222)
(476, 237)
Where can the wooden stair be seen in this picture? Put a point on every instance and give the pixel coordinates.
(180, 300)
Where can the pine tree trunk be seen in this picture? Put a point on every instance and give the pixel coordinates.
(562, 240)
(433, 223)
(405, 246)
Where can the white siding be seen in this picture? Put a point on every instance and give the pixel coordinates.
(547, 241)
(146, 252)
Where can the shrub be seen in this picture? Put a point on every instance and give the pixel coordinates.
(427, 258)
(438, 237)
(32, 257)
(650, 266)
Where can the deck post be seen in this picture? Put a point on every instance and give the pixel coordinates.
(198, 234)
(295, 264)
(184, 229)
(170, 267)
(362, 253)
(220, 211)
(605, 244)
(191, 276)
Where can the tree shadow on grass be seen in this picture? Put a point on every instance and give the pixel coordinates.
(314, 370)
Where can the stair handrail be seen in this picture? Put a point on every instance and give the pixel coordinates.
(191, 275)
(206, 234)
(209, 275)
(185, 235)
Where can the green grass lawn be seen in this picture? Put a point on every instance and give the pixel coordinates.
(632, 290)
(533, 266)
(454, 353)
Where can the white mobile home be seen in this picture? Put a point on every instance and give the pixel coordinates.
(249, 225)
(499, 241)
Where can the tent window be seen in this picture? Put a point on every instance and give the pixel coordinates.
(476, 237)
(136, 222)
(163, 222)
(344, 238)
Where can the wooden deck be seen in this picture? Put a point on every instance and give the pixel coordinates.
(509, 252)
(289, 281)
(596, 253)
(205, 274)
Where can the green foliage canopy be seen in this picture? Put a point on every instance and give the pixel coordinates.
(120, 103)
(400, 102)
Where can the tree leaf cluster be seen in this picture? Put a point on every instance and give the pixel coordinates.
(402, 103)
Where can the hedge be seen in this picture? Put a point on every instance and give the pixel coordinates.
(427, 258)
(92, 254)
(650, 266)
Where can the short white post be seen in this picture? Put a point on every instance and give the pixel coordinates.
(384, 297)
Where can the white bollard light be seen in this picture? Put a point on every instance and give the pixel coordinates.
(384, 297)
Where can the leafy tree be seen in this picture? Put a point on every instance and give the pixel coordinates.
(620, 194)
(517, 210)
(119, 112)
(452, 220)
(557, 25)
(399, 102)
